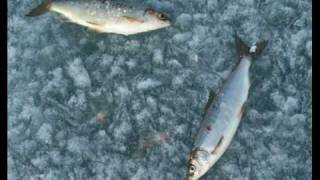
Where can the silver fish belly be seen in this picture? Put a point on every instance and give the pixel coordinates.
(106, 16)
(222, 116)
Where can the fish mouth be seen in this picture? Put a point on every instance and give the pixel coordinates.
(167, 24)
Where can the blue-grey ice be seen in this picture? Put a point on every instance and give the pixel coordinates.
(83, 105)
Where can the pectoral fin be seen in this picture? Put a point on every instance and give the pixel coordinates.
(133, 20)
(212, 95)
(94, 23)
(95, 26)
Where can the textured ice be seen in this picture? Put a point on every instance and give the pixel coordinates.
(81, 105)
(79, 74)
(148, 83)
(44, 133)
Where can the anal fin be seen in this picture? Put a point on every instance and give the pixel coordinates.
(95, 30)
(216, 149)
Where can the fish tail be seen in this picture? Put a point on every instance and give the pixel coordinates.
(253, 51)
(41, 9)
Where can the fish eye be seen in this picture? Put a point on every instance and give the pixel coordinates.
(192, 169)
(162, 17)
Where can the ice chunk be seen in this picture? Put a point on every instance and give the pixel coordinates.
(131, 63)
(184, 20)
(116, 70)
(309, 49)
(182, 37)
(143, 115)
(77, 144)
(139, 174)
(44, 133)
(152, 102)
(102, 133)
(177, 80)
(157, 56)
(280, 14)
(278, 98)
(79, 74)
(78, 101)
(291, 105)
(106, 60)
(121, 131)
(147, 84)
(298, 38)
(40, 162)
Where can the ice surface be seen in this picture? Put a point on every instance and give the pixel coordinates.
(148, 83)
(81, 104)
(79, 74)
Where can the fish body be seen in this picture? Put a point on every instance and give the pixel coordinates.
(105, 16)
(223, 114)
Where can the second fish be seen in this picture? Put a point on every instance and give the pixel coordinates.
(106, 16)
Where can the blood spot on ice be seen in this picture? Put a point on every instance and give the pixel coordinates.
(209, 128)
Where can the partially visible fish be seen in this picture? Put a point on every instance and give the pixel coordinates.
(223, 113)
(105, 16)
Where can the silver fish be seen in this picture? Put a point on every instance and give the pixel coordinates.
(223, 113)
(106, 16)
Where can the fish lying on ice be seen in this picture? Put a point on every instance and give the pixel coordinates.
(223, 113)
(106, 16)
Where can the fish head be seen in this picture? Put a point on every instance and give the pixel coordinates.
(156, 19)
(198, 164)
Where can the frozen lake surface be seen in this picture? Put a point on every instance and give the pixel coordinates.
(93, 106)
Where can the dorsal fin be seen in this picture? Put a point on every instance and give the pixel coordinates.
(41, 9)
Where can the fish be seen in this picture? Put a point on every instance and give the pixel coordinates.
(106, 16)
(223, 112)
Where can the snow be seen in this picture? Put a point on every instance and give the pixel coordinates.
(64, 80)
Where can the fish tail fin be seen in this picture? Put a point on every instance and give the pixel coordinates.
(41, 9)
(253, 51)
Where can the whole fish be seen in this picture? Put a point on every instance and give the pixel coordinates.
(223, 113)
(105, 16)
